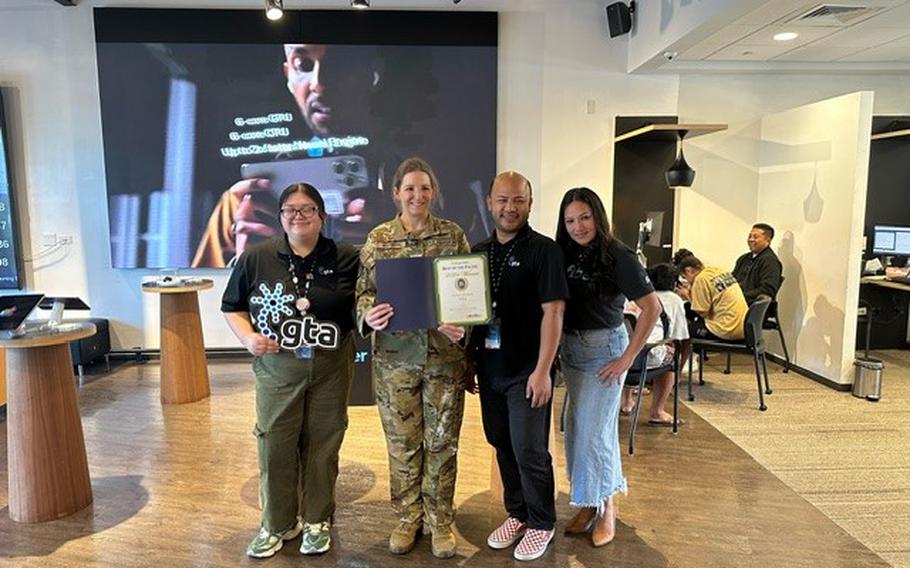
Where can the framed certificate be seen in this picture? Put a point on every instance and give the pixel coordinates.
(427, 291)
(462, 290)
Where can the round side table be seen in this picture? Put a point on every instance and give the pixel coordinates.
(184, 374)
(48, 469)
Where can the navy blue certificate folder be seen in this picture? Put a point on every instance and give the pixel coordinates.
(408, 285)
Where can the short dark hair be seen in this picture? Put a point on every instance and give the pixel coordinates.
(664, 276)
(768, 229)
(307, 190)
(690, 261)
(681, 254)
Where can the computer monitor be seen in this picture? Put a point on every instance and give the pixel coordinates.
(14, 309)
(655, 238)
(891, 240)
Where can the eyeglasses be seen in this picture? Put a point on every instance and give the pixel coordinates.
(306, 211)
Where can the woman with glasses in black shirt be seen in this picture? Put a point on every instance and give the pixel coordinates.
(290, 301)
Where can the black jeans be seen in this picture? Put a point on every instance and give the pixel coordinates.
(520, 435)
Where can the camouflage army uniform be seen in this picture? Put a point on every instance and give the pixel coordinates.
(419, 381)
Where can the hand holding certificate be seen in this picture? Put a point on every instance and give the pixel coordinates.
(428, 291)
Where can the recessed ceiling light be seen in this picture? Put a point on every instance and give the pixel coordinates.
(786, 36)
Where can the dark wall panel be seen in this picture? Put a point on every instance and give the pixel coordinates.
(639, 185)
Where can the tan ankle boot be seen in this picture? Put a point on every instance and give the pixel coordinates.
(443, 543)
(582, 521)
(605, 526)
(403, 537)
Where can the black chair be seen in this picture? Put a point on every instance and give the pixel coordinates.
(640, 376)
(753, 343)
(771, 323)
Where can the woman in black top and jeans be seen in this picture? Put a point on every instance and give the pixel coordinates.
(596, 353)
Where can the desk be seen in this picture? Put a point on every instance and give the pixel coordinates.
(48, 469)
(184, 374)
(880, 283)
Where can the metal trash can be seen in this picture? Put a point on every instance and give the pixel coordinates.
(868, 380)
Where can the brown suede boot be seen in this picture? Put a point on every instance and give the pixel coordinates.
(404, 536)
(582, 521)
(443, 543)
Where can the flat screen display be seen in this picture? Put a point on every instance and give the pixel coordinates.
(9, 241)
(891, 240)
(204, 127)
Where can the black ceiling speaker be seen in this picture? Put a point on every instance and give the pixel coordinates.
(619, 18)
(680, 173)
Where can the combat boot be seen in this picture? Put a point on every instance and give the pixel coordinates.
(443, 543)
(403, 537)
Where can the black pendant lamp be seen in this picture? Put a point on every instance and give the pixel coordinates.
(680, 173)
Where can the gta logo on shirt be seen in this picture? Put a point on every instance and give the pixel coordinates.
(295, 332)
(723, 281)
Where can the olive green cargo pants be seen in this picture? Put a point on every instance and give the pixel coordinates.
(301, 417)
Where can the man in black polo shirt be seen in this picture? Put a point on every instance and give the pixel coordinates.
(759, 270)
(514, 355)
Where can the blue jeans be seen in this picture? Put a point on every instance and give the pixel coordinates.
(592, 418)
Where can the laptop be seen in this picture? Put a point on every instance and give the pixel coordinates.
(14, 309)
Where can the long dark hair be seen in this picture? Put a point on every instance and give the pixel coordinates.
(602, 263)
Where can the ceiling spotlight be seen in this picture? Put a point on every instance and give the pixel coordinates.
(360, 4)
(274, 9)
(786, 36)
(680, 173)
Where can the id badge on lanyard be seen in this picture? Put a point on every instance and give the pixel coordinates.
(493, 340)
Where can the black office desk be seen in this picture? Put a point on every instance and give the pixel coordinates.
(890, 324)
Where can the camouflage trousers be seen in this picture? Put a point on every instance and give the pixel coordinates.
(301, 417)
(421, 409)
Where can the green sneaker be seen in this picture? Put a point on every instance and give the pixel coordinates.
(317, 538)
(266, 543)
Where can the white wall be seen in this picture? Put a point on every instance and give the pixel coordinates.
(813, 183)
(553, 57)
(729, 194)
(726, 163)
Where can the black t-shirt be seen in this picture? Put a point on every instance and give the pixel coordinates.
(597, 291)
(525, 272)
(261, 282)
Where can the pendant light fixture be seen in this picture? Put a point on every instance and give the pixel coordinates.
(680, 173)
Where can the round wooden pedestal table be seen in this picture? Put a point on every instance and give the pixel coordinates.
(184, 374)
(48, 470)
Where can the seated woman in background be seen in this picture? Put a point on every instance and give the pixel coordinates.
(715, 297)
(664, 277)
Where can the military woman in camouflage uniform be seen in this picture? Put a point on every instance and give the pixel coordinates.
(419, 375)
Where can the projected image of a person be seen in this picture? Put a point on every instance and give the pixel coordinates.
(331, 89)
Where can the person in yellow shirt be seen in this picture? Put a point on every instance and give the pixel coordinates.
(717, 299)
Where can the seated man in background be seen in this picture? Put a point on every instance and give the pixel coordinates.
(716, 298)
(759, 270)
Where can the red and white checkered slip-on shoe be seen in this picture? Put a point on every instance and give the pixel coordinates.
(533, 545)
(507, 534)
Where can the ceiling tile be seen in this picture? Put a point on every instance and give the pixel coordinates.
(765, 36)
(748, 53)
(884, 53)
(815, 53)
(862, 36)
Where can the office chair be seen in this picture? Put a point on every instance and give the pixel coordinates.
(753, 343)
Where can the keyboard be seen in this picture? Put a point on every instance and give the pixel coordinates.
(899, 279)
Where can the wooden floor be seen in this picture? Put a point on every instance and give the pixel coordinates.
(176, 486)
